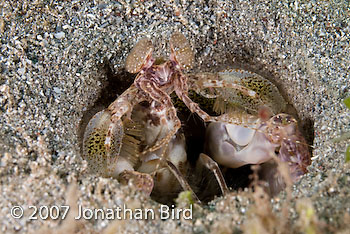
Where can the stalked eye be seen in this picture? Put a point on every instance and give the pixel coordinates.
(181, 50)
(139, 55)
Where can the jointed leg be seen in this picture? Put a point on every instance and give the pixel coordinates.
(181, 90)
(196, 86)
(165, 110)
(208, 80)
(213, 166)
(165, 140)
(225, 84)
(194, 107)
(208, 83)
(117, 109)
(184, 184)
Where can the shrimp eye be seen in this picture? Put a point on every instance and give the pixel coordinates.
(139, 56)
(181, 50)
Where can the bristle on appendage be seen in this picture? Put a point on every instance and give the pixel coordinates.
(220, 106)
(133, 129)
(224, 105)
(131, 143)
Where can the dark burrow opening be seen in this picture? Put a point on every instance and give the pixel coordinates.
(203, 182)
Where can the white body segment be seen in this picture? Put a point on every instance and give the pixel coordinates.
(235, 146)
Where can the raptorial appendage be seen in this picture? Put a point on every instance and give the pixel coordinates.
(125, 145)
(238, 89)
(244, 137)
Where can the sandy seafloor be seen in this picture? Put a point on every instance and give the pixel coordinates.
(51, 72)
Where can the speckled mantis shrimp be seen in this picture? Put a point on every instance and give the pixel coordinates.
(111, 143)
(153, 84)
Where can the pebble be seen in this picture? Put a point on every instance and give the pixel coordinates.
(57, 90)
(21, 71)
(59, 35)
